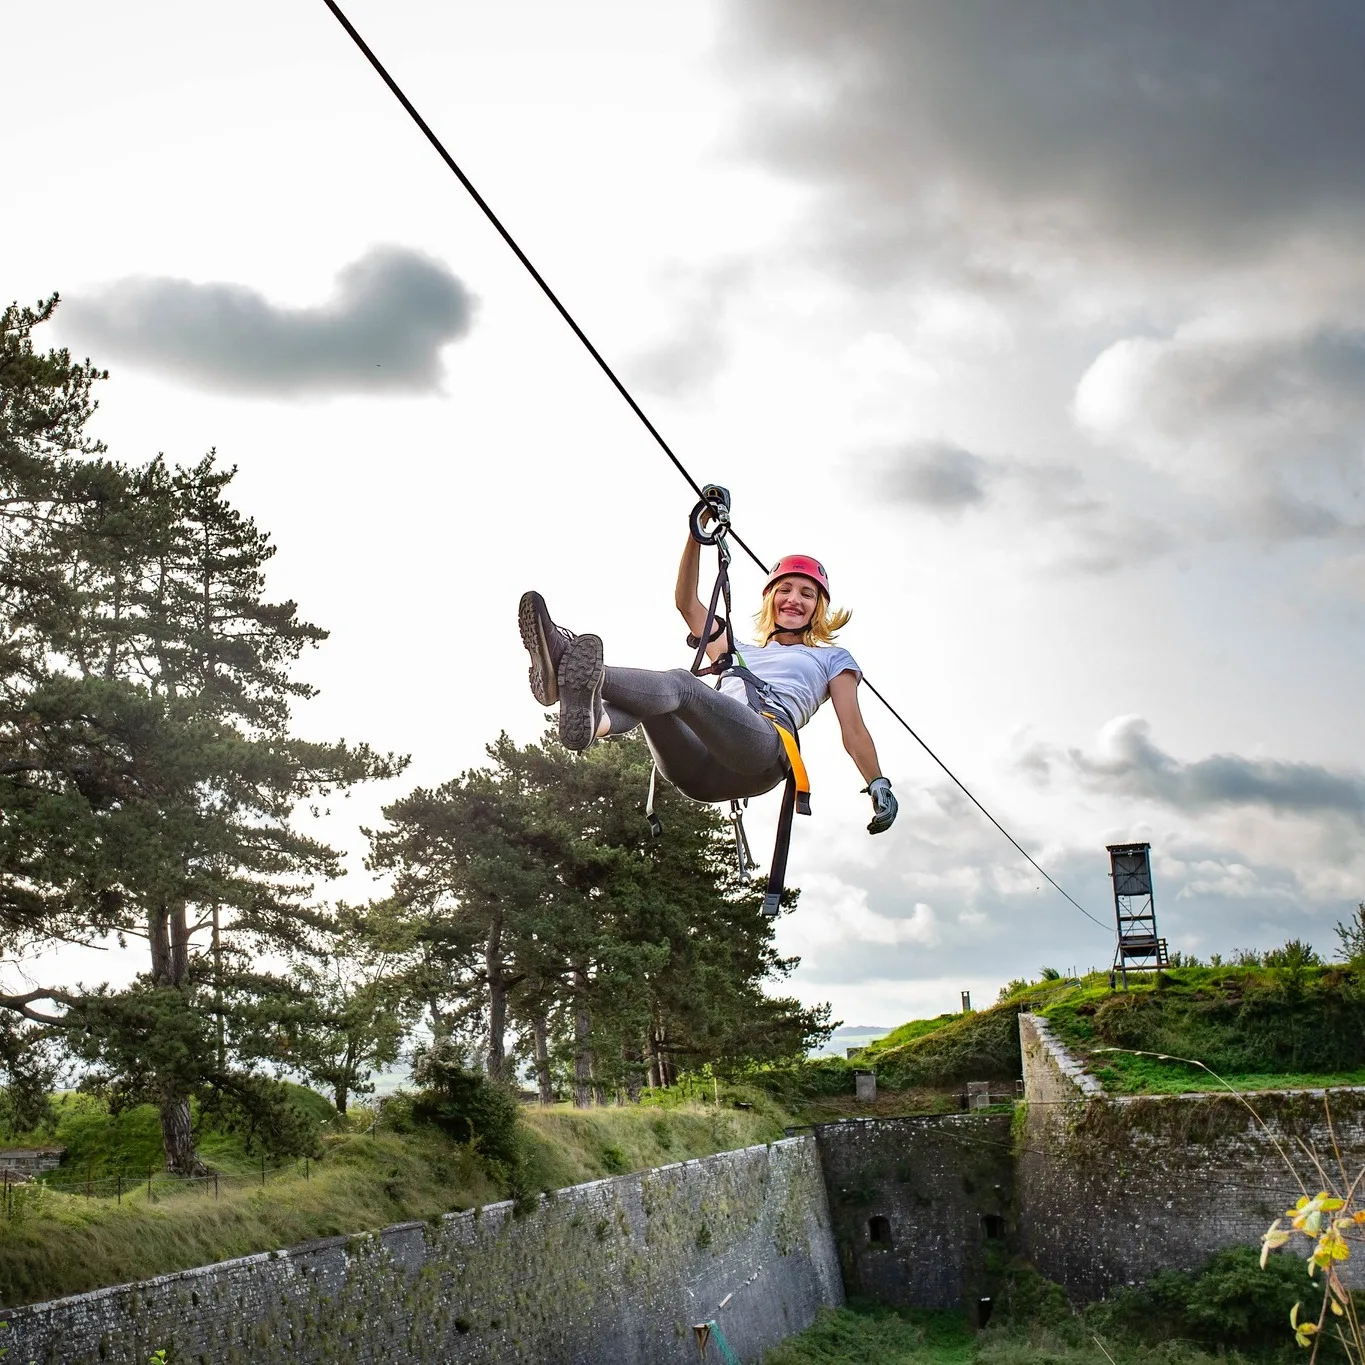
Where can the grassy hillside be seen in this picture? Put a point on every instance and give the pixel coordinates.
(1257, 1027)
(58, 1243)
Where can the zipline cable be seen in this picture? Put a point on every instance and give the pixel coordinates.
(962, 787)
(649, 426)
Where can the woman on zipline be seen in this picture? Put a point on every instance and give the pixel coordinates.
(712, 744)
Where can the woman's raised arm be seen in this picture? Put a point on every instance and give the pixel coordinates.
(685, 597)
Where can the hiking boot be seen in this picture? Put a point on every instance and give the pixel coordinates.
(580, 692)
(545, 642)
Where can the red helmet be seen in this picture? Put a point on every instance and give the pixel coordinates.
(804, 567)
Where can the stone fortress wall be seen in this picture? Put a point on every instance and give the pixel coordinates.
(1111, 1189)
(616, 1270)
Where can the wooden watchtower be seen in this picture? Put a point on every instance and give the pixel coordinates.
(1139, 948)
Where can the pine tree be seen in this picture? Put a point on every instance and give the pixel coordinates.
(622, 957)
(149, 776)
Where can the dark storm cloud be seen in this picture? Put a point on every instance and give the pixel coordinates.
(1133, 765)
(382, 330)
(1162, 129)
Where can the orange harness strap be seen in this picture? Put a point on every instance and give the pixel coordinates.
(798, 766)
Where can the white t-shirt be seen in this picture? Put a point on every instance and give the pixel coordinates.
(798, 674)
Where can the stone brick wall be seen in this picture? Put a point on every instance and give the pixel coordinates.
(615, 1270)
(1112, 1189)
(919, 1205)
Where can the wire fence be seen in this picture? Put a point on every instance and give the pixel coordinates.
(24, 1195)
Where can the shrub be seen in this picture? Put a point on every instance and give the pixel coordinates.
(1231, 1302)
(466, 1105)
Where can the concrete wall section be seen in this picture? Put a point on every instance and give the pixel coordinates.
(1051, 1074)
(615, 1270)
(919, 1205)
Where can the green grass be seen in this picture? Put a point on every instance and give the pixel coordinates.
(865, 1335)
(1125, 1074)
(64, 1243)
(868, 1335)
(908, 1033)
(567, 1146)
(1256, 1027)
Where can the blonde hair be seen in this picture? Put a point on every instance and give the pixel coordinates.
(824, 624)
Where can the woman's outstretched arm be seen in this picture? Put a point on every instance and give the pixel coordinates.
(843, 692)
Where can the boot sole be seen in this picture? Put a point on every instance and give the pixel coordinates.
(542, 673)
(580, 685)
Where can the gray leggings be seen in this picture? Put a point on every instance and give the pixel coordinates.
(710, 746)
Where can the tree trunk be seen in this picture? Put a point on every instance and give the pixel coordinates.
(582, 1053)
(633, 1067)
(497, 1002)
(540, 1030)
(169, 935)
(341, 1087)
(177, 1137)
(220, 1023)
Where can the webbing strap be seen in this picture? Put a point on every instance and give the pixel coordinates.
(795, 797)
(656, 826)
(716, 624)
(777, 872)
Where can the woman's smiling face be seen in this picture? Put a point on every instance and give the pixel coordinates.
(794, 600)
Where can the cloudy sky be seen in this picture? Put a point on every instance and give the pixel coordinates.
(1042, 324)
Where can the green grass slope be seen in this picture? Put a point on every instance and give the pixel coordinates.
(60, 1242)
(1256, 1027)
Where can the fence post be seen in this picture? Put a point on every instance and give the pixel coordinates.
(7, 1204)
(89, 1169)
(149, 1184)
(263, 1170)
(215, 1185)
(306, 1176)
(120, 1188)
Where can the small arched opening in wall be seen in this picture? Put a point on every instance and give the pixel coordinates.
(993, 1225)
(879, 1231)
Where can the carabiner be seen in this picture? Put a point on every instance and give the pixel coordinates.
(715, 500)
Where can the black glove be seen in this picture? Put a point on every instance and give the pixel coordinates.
(884, 805)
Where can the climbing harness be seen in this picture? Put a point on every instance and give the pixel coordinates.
(715, 502)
